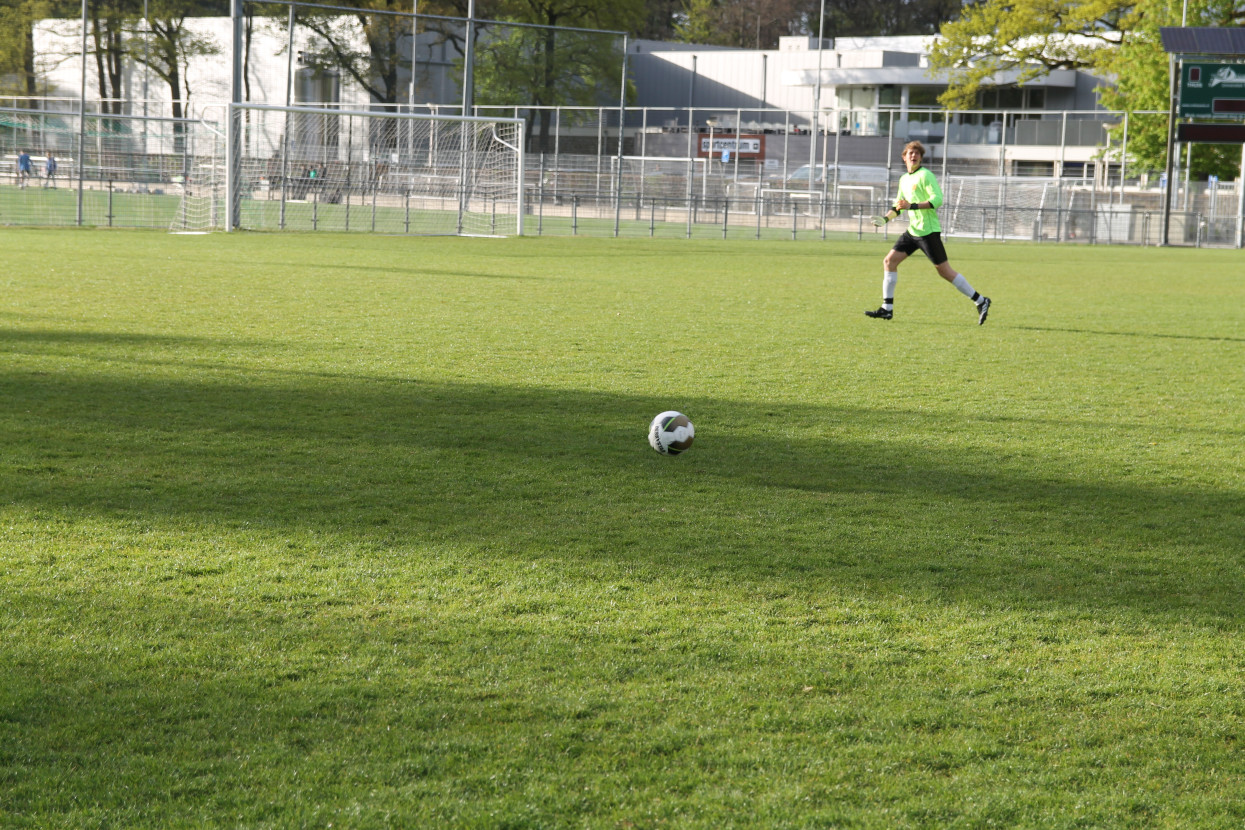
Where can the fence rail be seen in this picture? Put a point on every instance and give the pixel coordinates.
(764, 217)
(781, 215)
(136, 172)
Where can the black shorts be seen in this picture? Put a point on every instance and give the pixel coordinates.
(932, 246)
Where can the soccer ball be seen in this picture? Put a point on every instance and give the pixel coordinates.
(671, 433)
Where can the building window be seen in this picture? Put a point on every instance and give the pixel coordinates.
(925, 96)
(1013, 98)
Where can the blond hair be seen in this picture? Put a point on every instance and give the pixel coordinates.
(915, 145)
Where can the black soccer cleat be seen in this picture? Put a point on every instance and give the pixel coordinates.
(983, 308)
(880, 314)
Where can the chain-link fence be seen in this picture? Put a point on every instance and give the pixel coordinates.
(137, 171)
(102, 170)
(1024, 174)
(677, 199)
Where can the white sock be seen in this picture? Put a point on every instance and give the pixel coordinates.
(889, 278)
(963, 286)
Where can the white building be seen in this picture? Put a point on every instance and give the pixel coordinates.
(870, 93)
(870, 88)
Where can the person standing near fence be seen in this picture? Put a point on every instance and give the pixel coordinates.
(921, 196)
(23, 168)
(49, 170)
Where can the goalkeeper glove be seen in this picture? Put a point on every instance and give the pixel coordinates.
(879, 221)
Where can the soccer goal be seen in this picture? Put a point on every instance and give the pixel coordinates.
(201, 182)
(321, 169)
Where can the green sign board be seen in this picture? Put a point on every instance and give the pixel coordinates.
(1212, 90)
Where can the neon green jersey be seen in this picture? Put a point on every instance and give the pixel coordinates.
(921, 186)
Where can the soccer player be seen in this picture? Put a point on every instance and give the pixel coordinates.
(23, 168)
(920, 195)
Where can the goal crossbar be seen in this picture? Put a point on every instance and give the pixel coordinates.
(415, 116)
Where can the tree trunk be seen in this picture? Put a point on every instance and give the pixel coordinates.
(28, 60)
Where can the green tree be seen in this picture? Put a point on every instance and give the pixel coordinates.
(698, 23)
(547, 66)
(108, 30)
(851, 18)
(1114, 39)
(658, 19)
(1030, 36)
(1141, 71)
(18, 74)
(168, 49)
(373, 61)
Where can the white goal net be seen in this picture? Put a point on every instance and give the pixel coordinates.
(201, 207)
(307, 169)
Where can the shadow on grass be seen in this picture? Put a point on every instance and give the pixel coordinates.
(1140, 334)
(774, 500)
(513, 470)
(13, 340)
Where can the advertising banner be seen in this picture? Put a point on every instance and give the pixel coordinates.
(745, 146)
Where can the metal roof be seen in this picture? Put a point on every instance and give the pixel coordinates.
(1203, 41)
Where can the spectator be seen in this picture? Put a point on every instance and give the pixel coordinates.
(23, 168)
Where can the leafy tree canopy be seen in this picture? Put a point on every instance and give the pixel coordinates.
(16, 44)
(857, 18)
(743, 24)
(547, 67)
(1117, 40)
(1032, 36)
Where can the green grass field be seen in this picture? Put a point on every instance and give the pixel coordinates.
(360, 531)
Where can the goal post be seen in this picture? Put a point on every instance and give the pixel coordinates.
(321, 168)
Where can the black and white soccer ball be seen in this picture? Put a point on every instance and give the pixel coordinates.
(671, 433)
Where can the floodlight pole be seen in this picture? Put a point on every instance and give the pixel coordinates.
(691, 128)
(82, 117)
(414, 50)
(146, 67)
(812, 137)
(622, 121)
(469, 60)
(289, 101)
(1166, 212)
(410, 99)
(233, 129)
(1240, 203)
(468, 105)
